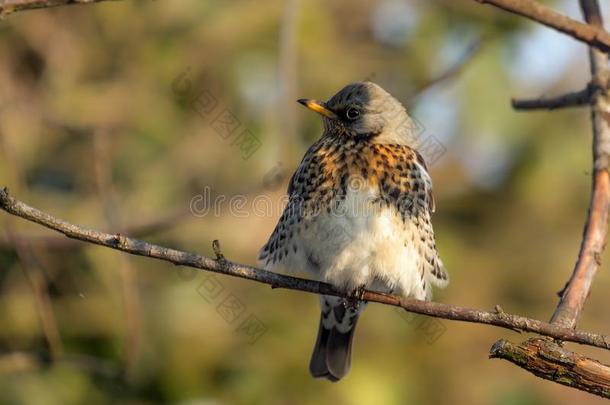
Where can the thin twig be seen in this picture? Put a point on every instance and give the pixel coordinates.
(575, 99)
(592, 35)
(453, 71)
(10, 6)
(596, 228)
(435, 309)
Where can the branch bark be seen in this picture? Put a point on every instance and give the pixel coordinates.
(595, 36)
(10, 6)
(221, 265)
(546, 359)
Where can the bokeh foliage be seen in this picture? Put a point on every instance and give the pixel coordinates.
(511, 190)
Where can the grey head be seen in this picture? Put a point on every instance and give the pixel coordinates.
(364, 111)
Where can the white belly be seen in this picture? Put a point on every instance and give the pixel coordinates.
(361, 244)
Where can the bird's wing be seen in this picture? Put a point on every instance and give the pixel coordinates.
(276, 249)
(428, 179)
(405, 180)
(409, 190)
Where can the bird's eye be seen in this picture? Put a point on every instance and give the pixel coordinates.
(352, 113)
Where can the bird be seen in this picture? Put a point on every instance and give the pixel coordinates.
(358, 216)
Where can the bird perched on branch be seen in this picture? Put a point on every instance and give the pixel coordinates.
(358, 216)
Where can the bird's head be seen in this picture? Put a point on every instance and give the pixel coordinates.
(364, 110)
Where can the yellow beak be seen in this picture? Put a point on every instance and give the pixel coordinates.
(318, 107)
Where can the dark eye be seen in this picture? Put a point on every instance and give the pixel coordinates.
(352, 113)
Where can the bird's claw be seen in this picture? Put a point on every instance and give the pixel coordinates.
(355, 298)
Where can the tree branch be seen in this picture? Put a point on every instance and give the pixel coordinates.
(593, 35)
(596, 228)
(546, 359)
(10, 6)
(138, 229)
(541, 357)
(575, 99)
(221, 265)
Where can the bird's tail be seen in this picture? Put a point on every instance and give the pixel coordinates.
(331, 358)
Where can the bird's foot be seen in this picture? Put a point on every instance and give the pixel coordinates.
(355, 298)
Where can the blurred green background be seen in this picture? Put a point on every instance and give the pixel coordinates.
(97, 126)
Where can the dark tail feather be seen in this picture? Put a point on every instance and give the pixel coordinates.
(331, 358)
(317, 364)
